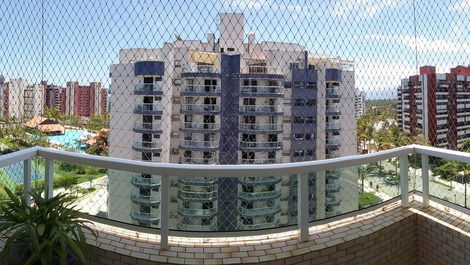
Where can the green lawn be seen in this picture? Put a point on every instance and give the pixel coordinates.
(368, 198)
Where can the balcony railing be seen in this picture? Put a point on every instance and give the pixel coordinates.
(262, 69)
(260, 211)
(200, 107)
(170, 173)
(333, 92)
(200, 126)
(147, 126)
(269, 127)
(146, 182)
(155, 87)
(147, 145)
(261, 145)
(199, 144)
(260, 161)
(198, 161)
(197, 212)
(200, 69)
(145, 218)
(333, 125)
(261, 108)
(202, 89)
(262, 90)
(148, 107)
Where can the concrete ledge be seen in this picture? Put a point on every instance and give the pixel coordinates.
(391, 235)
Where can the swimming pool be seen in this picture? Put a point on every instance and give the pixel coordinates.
(71, 139)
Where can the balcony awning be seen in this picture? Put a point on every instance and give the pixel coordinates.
(204, 57)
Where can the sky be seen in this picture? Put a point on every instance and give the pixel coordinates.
(78, 40)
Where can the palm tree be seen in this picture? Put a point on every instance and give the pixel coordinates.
(382, 142)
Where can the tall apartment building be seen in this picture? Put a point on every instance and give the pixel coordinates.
(33, 101)
(360, 103)
(13, 98)
(436, 106)
(227, 101)
(85, 101)
(54, 96)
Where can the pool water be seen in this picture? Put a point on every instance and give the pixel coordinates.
(71, 139)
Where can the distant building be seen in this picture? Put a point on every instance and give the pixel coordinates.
(13, 98)
(436, 106)
(360, 103)
(54, 96)
(33, 101)
(85, 101)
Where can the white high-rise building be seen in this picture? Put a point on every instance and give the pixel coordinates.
(34, 99)
(13, 98)
(227, 101)
(360, 103)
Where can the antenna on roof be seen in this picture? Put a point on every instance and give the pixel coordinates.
(178, 37)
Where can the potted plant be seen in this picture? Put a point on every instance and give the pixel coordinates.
(48, 231)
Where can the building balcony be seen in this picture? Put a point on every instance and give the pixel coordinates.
(147, 127)
(198, 212)
(333, 187)
(260, 161)
(256, 127)
(145, 158)
(147, 146)
(332, 201)
(198, 161)
(143, 182)
(332, 111)
(262, 91)
(333, 93)
(145, 218)
(204, 182)
(427, 220)
(148, 200)
(197, 195)
(259, 225)
(333, 144)
(333, 126)
(201, 90)
(269, 110)
(200, 108)
(260, 211)
(200, 126)
(262, 72)
(203, 228)
(259, 195)
(149, 108)
(260, 181)
(199, 145)
(149, 89)
(192, 71)
(261, 145)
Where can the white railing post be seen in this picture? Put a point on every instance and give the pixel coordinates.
(302, 203)
(404, 180)
(49, 179)
(27, 181)
(164, 212)
(425, 179)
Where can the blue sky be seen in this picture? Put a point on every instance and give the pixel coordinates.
(80, 39)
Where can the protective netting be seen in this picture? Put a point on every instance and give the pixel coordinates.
(232, 82)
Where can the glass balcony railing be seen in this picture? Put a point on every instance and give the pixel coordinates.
(260, 161)
(198, 161)
(262, 69)
(202, 89)
(332, 110)
(199, 144)
(145, 218)
(148, 145)
(259, 225)
(264, 180)
(332, 201)
(200, 107)
(259, 195)
(146, 158)
(333, 142)
(261, 127)
(202, 228)
(149, 182)
(147, 126)
(261, 145)
(333, 92)
(185, 181)
(145, 199)
(261, 108)
(201, 195)
(333, 187)
(148, 107)
(155, 87)
(200, 69)
(260, 211)
(262, 89)
(333, 125)
(200, 126)
(197, 212)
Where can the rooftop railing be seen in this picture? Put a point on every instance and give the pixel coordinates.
(412, 166)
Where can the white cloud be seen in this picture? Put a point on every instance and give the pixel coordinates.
(250, 4)
(460, 6)
(362, 8)
(424, 44)
(269, 4)
(378, 77)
